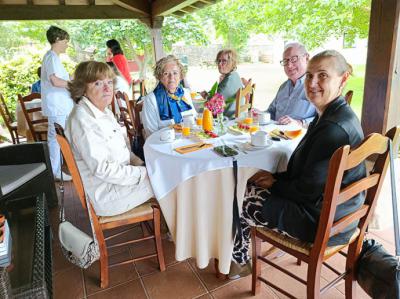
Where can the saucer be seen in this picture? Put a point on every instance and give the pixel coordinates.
(250, 147)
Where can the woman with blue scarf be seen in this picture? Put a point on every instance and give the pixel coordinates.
(169, 101)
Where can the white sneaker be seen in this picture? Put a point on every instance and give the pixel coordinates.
(66, 177)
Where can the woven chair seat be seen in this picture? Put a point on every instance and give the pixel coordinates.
(301, 246)
(142, 210)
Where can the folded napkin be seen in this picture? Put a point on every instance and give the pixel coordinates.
(192, 147)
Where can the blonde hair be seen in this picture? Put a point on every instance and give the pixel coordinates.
(160, 65)
(341, 65)
(88, 72)
(232, 56)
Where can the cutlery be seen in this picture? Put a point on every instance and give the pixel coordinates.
(282, 134)
(194, 146)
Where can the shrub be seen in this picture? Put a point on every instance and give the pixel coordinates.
(18, 74)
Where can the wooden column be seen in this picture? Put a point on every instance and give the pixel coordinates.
(156, 36)
(381, 105)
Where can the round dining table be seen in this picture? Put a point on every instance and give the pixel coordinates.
(195, 190)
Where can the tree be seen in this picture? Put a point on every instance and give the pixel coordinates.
(310, 21)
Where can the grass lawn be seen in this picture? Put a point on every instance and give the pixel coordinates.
(356, 83)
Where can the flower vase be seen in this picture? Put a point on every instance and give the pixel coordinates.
(220, 124)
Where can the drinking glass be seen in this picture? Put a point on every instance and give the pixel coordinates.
(199, 119)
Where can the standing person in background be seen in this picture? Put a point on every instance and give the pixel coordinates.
(116, 55)
(291, 104)
(56, 100)
(36, 86)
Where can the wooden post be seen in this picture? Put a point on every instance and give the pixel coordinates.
(381, 105)
(156, 36)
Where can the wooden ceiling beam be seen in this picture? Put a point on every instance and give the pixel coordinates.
(66, 12)
(139, 6)
(166, 7)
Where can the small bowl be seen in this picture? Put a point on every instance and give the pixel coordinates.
(293, 133)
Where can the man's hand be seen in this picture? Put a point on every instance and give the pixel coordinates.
(263, 179)
(285, 120)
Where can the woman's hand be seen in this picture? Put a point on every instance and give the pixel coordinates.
(263, 179)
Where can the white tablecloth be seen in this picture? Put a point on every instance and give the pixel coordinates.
(195, 192)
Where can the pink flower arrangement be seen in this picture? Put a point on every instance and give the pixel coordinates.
(216, 104)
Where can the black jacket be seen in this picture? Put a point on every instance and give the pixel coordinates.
(296, 197)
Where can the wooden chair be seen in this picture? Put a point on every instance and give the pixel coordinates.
(37, 126)
(126, 114)
(348, 96)
(315, 254)
(148, 211)
(11, 126)
(140, 91)
(245, 93)
(137, 109)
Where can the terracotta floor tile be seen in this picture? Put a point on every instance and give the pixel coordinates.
(208, 275)
(205, 296)
(146, 267)
(68, 284)
(177, 281)
(60, 263)
(130, 290)
(240, 289)
(117, 275)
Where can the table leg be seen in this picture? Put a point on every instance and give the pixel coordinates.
(217, 273)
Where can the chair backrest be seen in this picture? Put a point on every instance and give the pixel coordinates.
(5, 113)
(139, 129)
(375, 147)
(71, 163)
(348, 96)
(34, 122)
(127, 114)
(138, 89)
(246, 94)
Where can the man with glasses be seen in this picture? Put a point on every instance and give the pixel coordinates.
(290, 104)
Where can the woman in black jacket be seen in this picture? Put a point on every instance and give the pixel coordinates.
(291, 201)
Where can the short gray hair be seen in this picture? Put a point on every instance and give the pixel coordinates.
(160, 65)
(297, 45)
(341, 64)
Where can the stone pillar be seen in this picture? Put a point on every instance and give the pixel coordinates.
(156, 37)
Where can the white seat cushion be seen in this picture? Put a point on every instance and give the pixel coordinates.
(14, 176)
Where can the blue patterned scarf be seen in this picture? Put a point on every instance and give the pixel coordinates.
(171, 105)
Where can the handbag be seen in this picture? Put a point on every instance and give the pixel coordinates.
(79, 248)
(378, 272)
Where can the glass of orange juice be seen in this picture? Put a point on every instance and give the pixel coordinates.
(249, 119)
(254, 127)
(199, 119)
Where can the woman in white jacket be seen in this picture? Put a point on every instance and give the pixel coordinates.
(112, 181)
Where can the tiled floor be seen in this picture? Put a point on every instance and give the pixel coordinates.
(181, 279)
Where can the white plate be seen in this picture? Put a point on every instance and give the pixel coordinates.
(249, 147)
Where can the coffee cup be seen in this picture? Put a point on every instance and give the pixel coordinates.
(167, 135)
(264, 117)
(259, 138)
